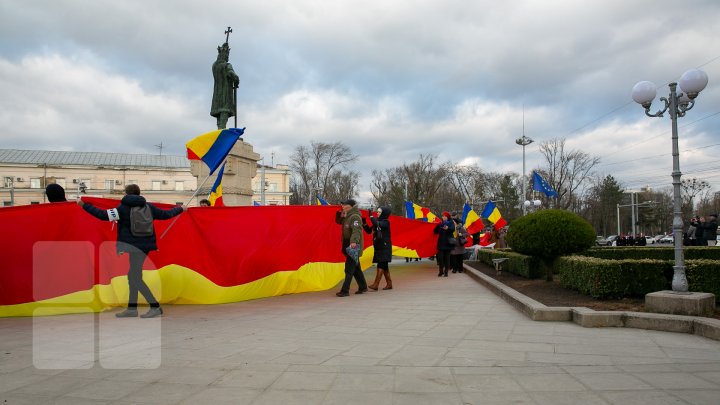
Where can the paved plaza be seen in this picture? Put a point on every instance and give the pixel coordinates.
(429, 341)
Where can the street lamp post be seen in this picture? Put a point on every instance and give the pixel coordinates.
(692, 83)
(524, 141)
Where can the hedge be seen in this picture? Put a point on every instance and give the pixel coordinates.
(522, 265)
(657, 253)
(602, 278)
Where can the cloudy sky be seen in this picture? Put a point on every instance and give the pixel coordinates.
(391, 79)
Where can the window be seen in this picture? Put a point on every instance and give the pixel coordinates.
(34, 183)
(34, 202)
(109, 184)
(156, 184)
(272, 187)
(8, 182)
(179, 186)
(7, 203)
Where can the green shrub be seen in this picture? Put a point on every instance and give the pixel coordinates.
(549, 234)
(657, 253)
(522, 265)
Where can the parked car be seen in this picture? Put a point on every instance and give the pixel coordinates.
(600, 241)
(609, 241)
(658, 237)
(667, 239)
(649, 240)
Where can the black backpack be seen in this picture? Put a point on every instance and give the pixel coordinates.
(141, 221)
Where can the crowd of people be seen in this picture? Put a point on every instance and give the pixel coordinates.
(702, 231)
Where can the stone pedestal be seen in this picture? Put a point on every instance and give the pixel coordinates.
(668, 302)
(240, 169)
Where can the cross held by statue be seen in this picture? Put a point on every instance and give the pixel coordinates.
(227, 34)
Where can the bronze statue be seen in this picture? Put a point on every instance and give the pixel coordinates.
(226, 83)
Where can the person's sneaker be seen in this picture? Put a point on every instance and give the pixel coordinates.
(128, 313)
(342, 294)
(152, 312)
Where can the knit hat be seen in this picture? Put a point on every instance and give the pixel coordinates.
(446, 214)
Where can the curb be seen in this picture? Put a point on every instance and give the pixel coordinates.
(588, 318)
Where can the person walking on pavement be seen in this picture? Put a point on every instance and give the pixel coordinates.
(458, 251)
(137, 247)
(444, 230)
(382, 246)
(352, 246)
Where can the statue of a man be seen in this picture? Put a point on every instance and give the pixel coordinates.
(226, 81)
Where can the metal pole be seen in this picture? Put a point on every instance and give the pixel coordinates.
(524, 180)
(618, 219)
(632, 213)
(262, 182)
(679, 281)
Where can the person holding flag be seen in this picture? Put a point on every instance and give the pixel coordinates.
(380, 229)
(444, 230)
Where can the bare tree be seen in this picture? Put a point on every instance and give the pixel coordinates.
(566, 171)
(691, 188)
(317, 169)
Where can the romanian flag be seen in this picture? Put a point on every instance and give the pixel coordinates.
(320, 201)
(216, 191)
(471, 220)
(485, 239)
(415, 211)
(493, 215)
(256, 204)
(213, 147)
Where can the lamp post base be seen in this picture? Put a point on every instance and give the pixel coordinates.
(687, 303)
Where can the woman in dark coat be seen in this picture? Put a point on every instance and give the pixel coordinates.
(380, 229)
(444, 230)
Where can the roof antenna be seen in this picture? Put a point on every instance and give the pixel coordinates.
(160, 146)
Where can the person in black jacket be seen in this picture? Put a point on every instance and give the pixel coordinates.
(137, 247)
(709, 229)
(382, 245)
(444, 230)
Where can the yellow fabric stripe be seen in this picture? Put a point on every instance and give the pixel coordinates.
(201, 144)
(495, 216)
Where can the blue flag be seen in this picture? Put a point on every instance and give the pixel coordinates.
(539, 184)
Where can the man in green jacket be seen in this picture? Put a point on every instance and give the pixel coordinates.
(352, 240)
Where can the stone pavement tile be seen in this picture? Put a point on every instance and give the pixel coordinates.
(261, 356)
(670, 339)
(570, 359)
(698, 397)
(25, 399)
(712, 376)
(306, 356)
(611, 381)
(509, 346)
(394, 332)
(75, 401)
(479, 370)
(439, 341)
(363, 382)
(424, 379)
(463, 319)
(447, 331)
(648, 368)
(223, 395)
(289, 397)
(486, 354)
(415, 356)
(163, 393)
(416, 325)
(191, 375)
(352, 360)
(631, 360)
(698, 367)
(54, 385)
(549, 382)
(567, 398)
(374, 350)
(590, 369)
(465, 362)
(325, 343)
(11, 381)
(432, 398)
(496, 398)
(106, 389)
(489, 334)
(358, 398)
(675, 381)
(542, 328)
(692, 353)
(534, 370)
(642, 398)
(248, 378)
(293, 380)
(487, 383)
(544, 339)
(142, 375)
(611, 350)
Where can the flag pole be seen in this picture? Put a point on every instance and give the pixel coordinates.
(186, 204)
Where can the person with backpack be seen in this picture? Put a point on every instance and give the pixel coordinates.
(136, 237)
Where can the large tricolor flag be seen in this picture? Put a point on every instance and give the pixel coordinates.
(216, 192)
(415, 211)
(320, 201)
(471, 220)
(213, 147)
(493, 215)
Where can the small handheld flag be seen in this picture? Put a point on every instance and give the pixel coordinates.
(493, 215)
(213, 147)
(471, 220)
(320, 201)
(415, 211)
(216, 192)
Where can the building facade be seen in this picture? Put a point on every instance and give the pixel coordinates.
(162, 178)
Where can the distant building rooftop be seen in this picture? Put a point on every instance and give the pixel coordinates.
(61, 158)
